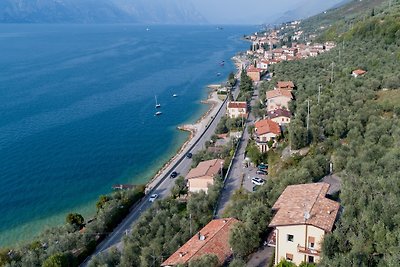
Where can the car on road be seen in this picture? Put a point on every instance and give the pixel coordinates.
(174, 174)
(153, 197)
(262, 172)
(257, 181)
(189, 155)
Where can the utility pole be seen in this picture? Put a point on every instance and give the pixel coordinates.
(333, 64)
(319, 93)
(308, 117)
(190, 223)
(340, 55)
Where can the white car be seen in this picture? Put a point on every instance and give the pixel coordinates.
(153, 197)
(257, 181)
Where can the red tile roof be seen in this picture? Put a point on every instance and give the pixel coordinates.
(279, 113)
(285, 85)
(299, 201)
(267, 126)
(212, 239)
(279, 92)
(234, 104)
(253, 69)
(206, 168)
(359, 72)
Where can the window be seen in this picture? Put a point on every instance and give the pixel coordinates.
(289, 257)
(311, 242)
(290, 238)
(311, 259)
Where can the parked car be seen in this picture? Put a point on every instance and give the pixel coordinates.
(153, 197)
(257, 181)
(189, 155)
(174, 174)
(263, 166)
(262, 172)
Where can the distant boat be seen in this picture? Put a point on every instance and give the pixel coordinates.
(218, 74)
(147, 29)
(220, 28)
(222, 63)
(158, 113)
(174, 95)
(157, 104)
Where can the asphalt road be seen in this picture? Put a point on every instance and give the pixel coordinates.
(234, 180)
(163, 189)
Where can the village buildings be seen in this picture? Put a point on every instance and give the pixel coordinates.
(278, 99)
(236, 109)
(280, 116)
(201, 177)
(213, 239)
(254, 73)
(266, 133)
(303, 216)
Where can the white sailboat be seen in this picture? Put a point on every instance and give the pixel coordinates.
(157, 104)
(158, 113)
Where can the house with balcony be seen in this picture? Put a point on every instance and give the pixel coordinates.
(212, 239)
(201, 177)
(278, 99)
(266, 132)
(303, 216)
(236, 109)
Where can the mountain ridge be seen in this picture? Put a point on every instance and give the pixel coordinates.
(100, 11)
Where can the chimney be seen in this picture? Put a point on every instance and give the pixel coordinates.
(199, 235)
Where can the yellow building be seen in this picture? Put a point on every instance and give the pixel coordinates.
(303, 216)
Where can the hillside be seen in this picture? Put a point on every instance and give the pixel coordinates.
(99, 11)
(346, 14)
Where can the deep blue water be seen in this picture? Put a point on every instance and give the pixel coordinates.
(77, 111)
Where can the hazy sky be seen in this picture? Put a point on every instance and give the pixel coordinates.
(247, 11)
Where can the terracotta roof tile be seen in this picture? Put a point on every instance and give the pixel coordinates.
(359, 72)
(280, 112)
(253, 69)
(205, 168)
(285, 85)
(216, 241)
(267, 126)
(298, 200)
(279, 92)
(236, 104)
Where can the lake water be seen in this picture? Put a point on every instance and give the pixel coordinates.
(77, 111)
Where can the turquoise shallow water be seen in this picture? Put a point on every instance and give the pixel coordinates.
(77, 111)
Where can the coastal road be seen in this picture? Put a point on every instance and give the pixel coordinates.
(163, 188)
(234, 180)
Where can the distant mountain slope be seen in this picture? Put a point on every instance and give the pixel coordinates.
(308, 8)
(99, 11)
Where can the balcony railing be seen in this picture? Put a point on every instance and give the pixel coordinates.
(309, 251)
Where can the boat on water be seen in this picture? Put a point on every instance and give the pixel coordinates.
(218, 74)
(158, 105)
(147, 29)
(174, 95)
(158, 113)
